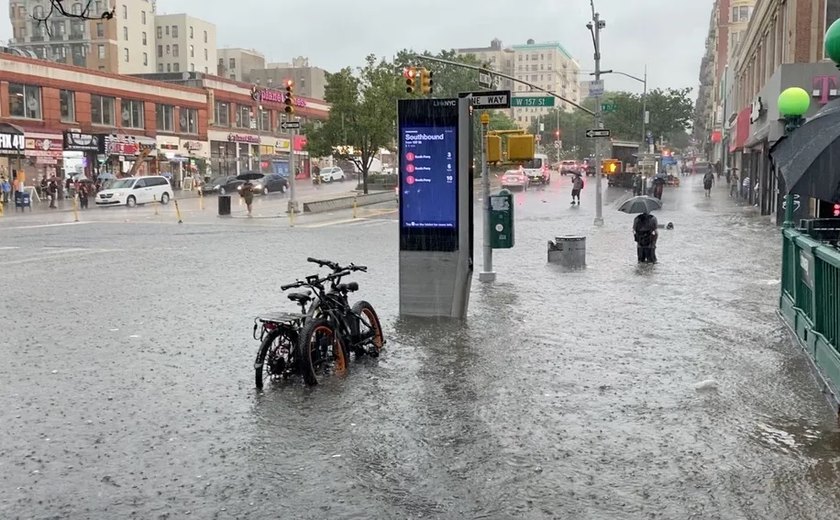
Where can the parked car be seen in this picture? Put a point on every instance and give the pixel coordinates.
(222, 185)
(569, 167)
(330, 174)
(515, 179)
(136, 190)
(264, 183)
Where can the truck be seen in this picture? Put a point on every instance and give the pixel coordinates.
(627, 152)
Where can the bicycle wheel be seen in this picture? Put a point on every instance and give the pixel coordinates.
(322, 351)
(370, 330)
(275, 358)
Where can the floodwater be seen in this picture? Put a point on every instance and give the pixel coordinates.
(618, 391)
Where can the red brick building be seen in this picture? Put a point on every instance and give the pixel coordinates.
(104, 122)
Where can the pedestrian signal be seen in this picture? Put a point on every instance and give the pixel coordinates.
(611, 166)
(410, 74)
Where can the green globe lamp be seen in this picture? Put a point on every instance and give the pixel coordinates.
(793, 104)
(832, 42)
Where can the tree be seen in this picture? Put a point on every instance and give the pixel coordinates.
(572, 126)
(362, 115)
(83, 12)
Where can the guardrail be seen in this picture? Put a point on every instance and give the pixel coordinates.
(348, 202)
(810, 303)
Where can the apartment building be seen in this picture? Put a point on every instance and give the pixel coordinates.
(184, 43)
(123, 45)
(309, 81)
(495, 57)
(547, 65)
(782, 47)
(237, 64)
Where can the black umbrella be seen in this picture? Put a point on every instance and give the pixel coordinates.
(809, 157)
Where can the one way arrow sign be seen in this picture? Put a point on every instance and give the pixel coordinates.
(597, 132)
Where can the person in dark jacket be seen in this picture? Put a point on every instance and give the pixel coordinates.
(645, 235)
(708, 181)
(658, 186)
(247, 193)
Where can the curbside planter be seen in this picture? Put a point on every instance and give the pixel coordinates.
(321, 206)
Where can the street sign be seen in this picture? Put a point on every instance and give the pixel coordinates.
(598, 132)
(491, 99)
(609, 107)
(532, 101)
(558, 144)
(485, 79)
(289, 125)
(596, 88)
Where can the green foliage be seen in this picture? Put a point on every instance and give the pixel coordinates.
(362, 114)
(670, 110)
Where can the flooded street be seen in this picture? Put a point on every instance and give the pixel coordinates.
(619, 391)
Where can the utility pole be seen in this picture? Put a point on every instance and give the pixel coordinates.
(595, 27)
(644, 110)
(293, 205)
(487, 274)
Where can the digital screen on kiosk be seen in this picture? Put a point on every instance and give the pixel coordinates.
(428, 184)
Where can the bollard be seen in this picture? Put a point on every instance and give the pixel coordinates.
(201, 200)
(154, 199)
(355, 205)
(1, 207)
(178, 212)
(75, 208)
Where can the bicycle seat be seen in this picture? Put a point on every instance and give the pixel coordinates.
(302, 298)
(347, 287)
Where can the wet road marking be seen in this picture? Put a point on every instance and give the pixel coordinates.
(37, 226)
(61, 254)
(6, 248)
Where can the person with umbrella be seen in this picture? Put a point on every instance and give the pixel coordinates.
(645, 225)
(247, 193)
(577, 186)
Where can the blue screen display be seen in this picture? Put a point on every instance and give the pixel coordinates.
(428, 166)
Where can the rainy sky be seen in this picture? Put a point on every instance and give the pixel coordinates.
(667, 35)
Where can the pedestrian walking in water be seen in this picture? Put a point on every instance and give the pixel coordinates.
(637, 185)
(708, 181)
(645, 235)
(247, 194)
(658, 187)
(577, 186)
(52, 191)
(6, 188)
(83, 195)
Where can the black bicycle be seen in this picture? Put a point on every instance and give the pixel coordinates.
(335, 328)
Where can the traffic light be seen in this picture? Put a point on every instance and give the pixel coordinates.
(410, 74)
(836, 211)
(611, 166)
(290, 97)
(426, 81)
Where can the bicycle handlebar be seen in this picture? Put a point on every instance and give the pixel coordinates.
(335, 266)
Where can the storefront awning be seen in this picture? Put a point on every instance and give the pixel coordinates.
(742, 130)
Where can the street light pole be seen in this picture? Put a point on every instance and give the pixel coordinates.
(644, 108)
(486, 275)
(595, 28)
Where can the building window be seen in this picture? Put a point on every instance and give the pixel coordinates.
(143, 17)
(174, 31)
(125, 33)
(67, 105)
(191, 32)
(102, 110)
(192, 67)
(132, 113)
(168, 49)
(206, 57)
(189, 120)
(159, 32)
(100, 30)
(165, 115)
(24, 101)
(125, 52)
(145, 58)
(160, 67)
(222, 114)
(144, 38)
(175, 50)
(243, 117)
(176, 67)
(169, 67)
(160, 51)
(205, 36)
(206, 70)
(37, 11)
(264, 121)
(741, 13)
(232, 63)
(100, 49)
(125, 12)
(167, 30)
(192, 51)
(76, 9)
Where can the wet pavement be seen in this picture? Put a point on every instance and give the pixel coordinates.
(129, 383)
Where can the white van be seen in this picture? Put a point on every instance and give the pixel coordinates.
(136, 190)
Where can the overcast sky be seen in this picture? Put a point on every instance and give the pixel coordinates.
(667, 35)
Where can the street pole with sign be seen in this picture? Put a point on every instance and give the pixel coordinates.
(595, 27)
(487, 275)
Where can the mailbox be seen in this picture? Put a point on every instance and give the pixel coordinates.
(501, 220)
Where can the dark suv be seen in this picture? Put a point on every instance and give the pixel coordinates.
(265, 183)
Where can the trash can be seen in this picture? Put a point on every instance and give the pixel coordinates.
(224, 205)
(568, 251)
